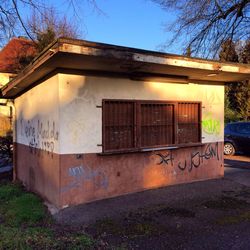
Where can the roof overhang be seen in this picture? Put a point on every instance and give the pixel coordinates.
(78, 56)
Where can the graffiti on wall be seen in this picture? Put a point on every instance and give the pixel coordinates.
(211, 125)
(198, 157)
(82, 174)
(212, 98)
(40, 135)
(168, 157)
(195, 159)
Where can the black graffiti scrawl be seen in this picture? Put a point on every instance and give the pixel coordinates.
(166, 159)
(195, 159)
(40, 135)
(198, 157)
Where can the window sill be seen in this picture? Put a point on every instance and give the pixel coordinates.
(142, 150)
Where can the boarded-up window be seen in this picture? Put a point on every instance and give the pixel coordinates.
(188, 122)
(133, 125)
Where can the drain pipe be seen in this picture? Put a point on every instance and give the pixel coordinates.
(12, 117)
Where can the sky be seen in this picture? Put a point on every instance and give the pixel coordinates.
(132, 23)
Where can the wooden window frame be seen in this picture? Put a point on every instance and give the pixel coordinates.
(137, 125)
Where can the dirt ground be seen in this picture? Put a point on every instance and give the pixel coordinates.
(213, 214)
(219, 223)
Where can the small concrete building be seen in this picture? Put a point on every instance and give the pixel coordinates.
(94, 121)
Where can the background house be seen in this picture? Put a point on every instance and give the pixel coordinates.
(95, 121)
(13, 58)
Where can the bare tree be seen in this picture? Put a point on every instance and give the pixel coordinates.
(207, 24)
(12, 21)
(44, 27)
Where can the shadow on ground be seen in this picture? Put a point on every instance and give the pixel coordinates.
(238, 161)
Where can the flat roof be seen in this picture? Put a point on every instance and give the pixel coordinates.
(90, 58)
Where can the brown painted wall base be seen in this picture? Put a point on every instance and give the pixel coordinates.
(67, 180)
(39, 172)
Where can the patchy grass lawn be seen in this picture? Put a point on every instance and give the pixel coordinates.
(26, 224)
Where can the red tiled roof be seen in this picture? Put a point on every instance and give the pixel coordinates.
(10, 55)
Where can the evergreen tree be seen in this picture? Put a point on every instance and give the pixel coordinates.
(242, 99)
(237, 95)
(245, 54)
(228, 52)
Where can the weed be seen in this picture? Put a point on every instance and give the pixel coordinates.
(142, 229)
(107, 226)
(82, 241)
(130, 228)
(234, 219)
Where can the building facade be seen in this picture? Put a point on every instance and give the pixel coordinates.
(96, 121)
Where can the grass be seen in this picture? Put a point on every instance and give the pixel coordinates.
(26, 209)
(26, 224)
(8, 191)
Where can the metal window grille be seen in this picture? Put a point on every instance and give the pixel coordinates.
(131, 125)
(188, 122)
(157, 124)
(119, 125)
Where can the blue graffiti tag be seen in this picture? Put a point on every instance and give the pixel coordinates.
(82, 174)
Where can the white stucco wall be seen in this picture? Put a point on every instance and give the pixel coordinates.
(37, 116)
(63, 109)
(81, 120)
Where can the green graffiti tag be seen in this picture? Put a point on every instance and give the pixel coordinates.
(211, 125)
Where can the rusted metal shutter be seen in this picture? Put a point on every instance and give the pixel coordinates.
(119, 125)
(129, 125)
(188, 122)
(156, 124)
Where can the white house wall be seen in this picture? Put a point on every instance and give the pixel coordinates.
(81, 119)
(37, 117)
